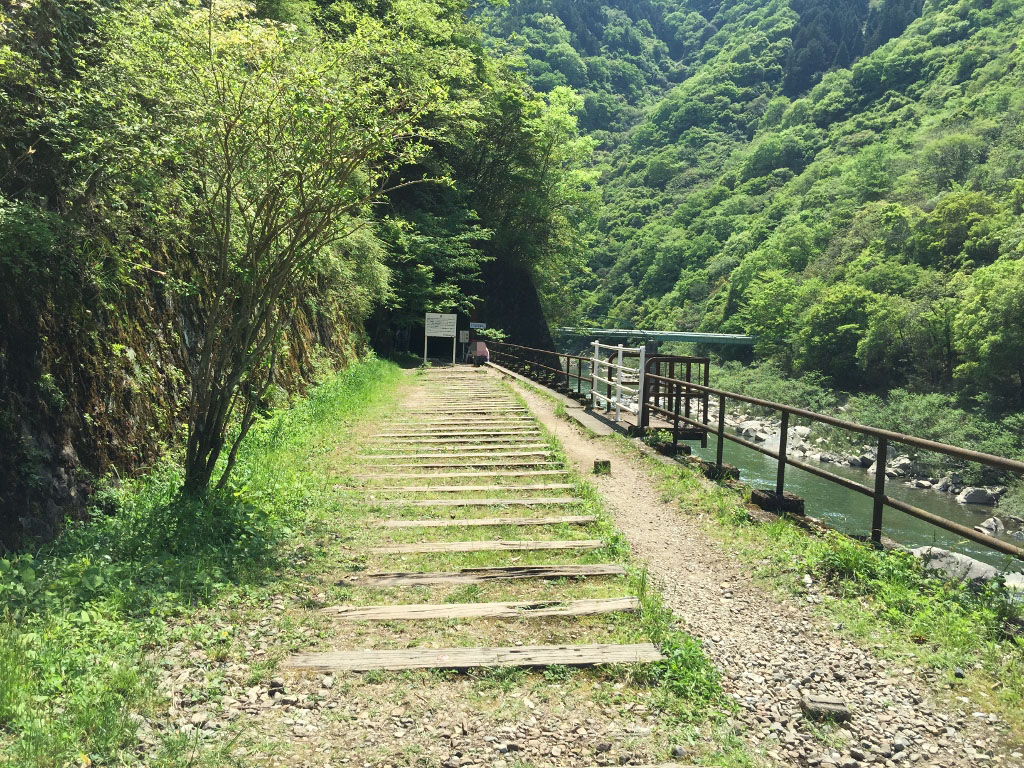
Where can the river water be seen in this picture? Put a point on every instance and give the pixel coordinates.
(850, 512)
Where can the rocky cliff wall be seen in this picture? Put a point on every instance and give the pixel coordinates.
(92, 387)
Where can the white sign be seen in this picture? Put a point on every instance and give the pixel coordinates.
(464, 337)
(478, 326)
(440, 325)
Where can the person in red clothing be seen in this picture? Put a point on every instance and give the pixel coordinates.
(480, 353)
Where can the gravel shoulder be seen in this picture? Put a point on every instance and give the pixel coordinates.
(771, 648)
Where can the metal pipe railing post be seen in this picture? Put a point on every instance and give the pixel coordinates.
(780, 478)
(879, 498)
(618, 386)
(721, 434)
(688, 380)
(641, 411)
(675, 426)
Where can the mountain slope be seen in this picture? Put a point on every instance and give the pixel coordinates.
(844, 180)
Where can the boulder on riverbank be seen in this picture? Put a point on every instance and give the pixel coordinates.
(957, 567)
(991, 526)
(971, 495)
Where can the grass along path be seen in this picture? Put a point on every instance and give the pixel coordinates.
(783, 614)
(155, 635)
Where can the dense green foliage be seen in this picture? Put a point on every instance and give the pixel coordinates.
(843, 180)
(208, 200)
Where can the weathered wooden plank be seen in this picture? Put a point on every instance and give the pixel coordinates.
(480, 575)
(450, 464)
(378, 456)
(470, 522)
(461, 433)
(492, 502)
(452, 475)
(498, 545)
(465, 658)
(461, 488)
(528, 610)
(468, 409)
(477, 447)
(482, 436)
(461, 443)
(463, 422)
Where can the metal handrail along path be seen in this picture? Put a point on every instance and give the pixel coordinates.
(883, 437)
(596, 365)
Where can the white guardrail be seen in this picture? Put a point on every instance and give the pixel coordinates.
(597, 365)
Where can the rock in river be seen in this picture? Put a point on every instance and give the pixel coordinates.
(972, 495)
(992, 526)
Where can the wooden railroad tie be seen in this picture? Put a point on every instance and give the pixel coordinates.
(464, 423)
(465, 658)
(509, 502)
(456, 433)
(462, 464)
(452, 475)
(458, 443)
(498, 545)
(484, 521)
(529, 610)
(483, 575)
(461, 488)
(477, 455)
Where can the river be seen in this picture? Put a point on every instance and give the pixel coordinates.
(850, 512)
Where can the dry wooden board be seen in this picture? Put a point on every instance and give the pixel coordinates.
(485, 610)
(464, 425)
(477, 455)
(482, 443)
(469, 522)
(464, 658)
(512, 421)
(450, 475)
(465, 409)
(462, 433)
(498, 545)
(459, 488)
(476, 436)
(479, 575)
(461, 411)
(509, 501)
(450, 465)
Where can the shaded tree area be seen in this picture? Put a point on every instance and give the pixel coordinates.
(201, 207)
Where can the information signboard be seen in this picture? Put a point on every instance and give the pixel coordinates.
(478, 326)
(464, 337)
(439, 324)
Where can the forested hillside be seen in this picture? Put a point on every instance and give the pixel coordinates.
(205, 206)
(843, 180)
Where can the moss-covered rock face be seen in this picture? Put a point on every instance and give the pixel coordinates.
(92, 389)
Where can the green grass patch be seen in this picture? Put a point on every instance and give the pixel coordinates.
(84, 617)
(881, 598)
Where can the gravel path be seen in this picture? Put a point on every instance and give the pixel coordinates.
(771, 649)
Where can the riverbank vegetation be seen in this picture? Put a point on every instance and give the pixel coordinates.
(969, 637)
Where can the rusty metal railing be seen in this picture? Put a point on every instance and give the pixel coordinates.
(883, 437)
(521, 359)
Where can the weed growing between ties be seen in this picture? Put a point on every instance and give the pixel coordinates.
(85, 618)
(880, 597)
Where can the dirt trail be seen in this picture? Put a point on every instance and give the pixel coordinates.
(771, 649)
